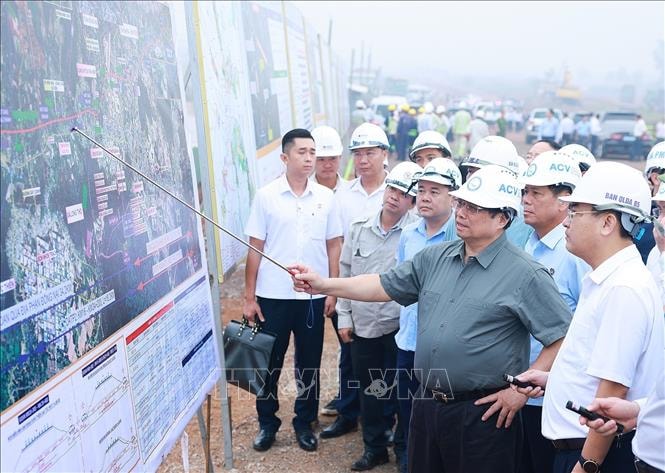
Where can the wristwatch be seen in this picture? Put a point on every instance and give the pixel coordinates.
(589, 466)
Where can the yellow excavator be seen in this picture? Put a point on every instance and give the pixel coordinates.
(568, 92)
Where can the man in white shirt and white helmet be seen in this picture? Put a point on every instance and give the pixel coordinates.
(614, 346)
(328, 157)
(427, 146)
(363, 196)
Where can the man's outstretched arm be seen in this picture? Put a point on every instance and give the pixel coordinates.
(365, 287)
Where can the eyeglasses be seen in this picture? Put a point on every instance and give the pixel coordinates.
(459, 204)
(571, 213)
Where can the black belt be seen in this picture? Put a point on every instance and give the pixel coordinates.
(449, 398)
(643, 467)
(578, 443)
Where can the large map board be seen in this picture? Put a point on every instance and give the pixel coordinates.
(227, 119)
(107, 340)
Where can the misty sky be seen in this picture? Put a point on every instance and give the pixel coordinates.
(507, 39)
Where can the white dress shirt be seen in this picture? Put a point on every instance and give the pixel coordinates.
(295, 229)
(616, 334)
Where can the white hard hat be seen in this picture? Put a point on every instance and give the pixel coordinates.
(656, 158)
(429, 108)
(552, 168)
(430, 139)
(494, 150)
(360, 104)
(369, 135)
(440, 109)
(401, 177)
(522, 165)
(442, 171)
(328, 142)
(660, 195)
(582, 155)
(480, 114)
(615, 186)
(492, 187)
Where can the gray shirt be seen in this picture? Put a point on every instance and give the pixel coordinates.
(474, 319)
(370, 250)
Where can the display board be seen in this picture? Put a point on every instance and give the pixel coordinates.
(227, 119)
(298, 67)
(315, 75)
(267, 62)
(107, 339)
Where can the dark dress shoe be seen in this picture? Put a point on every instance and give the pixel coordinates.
(307, 440)
(338, 428)
(369, 460)
(263, 440)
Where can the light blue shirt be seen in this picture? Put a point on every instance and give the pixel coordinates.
(519, 232)
(549, 128)
(583, 128)
(567, 271)
(413, 239)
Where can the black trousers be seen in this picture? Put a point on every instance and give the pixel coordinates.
(619, 459)
(348, 402)
(283, 317)
(374, 362)
(537, 452)
(452, 438)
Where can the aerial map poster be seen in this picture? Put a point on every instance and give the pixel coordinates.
(232, 154)
(107, 340)
(265, 46)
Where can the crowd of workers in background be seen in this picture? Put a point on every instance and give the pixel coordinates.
(459, 265)
(465, 126)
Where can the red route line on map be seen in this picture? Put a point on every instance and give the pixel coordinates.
(48, 123)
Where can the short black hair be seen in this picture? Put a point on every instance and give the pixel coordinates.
(553, 144)
(290, 137)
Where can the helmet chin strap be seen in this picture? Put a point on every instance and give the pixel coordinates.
(635, 225)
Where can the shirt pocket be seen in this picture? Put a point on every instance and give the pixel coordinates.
(427, 302)
(316, 226)
(481, 323)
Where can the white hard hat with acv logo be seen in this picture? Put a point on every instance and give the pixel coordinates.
(656, 158)
(430, 139)
(494, 150)
(442, 171)
(401, 177)
(582, 155)
(492, 187)
(327, 140)
(615, 186)
(369, 135)
(552, 168)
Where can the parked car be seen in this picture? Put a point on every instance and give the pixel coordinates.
(616, 136)
(536, 117)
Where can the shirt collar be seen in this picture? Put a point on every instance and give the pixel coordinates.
(339, 180)
(283, 186)
(488, 254)
(611, 264)
(375, 223)
(553, 238)
(358, 187)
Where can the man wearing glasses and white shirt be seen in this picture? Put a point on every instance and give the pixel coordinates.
(614, 347)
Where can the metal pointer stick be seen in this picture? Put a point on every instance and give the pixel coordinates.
(74, 129)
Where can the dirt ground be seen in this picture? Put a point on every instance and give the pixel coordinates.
(332, 456)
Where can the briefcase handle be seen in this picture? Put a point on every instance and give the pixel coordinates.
(245, 323)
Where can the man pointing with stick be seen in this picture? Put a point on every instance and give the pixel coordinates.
(477, 305)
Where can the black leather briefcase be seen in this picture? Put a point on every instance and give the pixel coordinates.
(247, 352)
